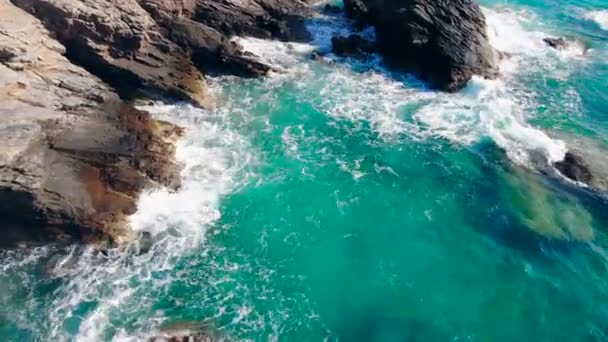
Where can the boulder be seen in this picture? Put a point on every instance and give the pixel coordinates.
(575, 168)
(442, 41)
(352, 46)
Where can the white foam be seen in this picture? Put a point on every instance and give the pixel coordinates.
(485, 109)
(214, 159)
(279, 55)
(599, 16)
(212, 156)
(490, 108)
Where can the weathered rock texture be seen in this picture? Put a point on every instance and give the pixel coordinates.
(162, 46)
(74, 153)
(74, 157)
(443, 41)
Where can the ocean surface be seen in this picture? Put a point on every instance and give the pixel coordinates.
(346, 202)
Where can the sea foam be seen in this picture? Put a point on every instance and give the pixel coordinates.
(364, 91)
(214, 160)
(599, 16)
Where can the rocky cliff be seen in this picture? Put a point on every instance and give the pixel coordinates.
(75, 154)
(442, 41)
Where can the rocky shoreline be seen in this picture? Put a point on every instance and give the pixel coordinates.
(77, 153)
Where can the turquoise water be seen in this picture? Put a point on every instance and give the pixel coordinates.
(344, 202)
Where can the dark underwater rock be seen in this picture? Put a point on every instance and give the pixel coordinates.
(332, 9)
(443, 42)
(351, 46)
(575, 168)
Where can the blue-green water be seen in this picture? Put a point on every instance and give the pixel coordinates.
(343, 202)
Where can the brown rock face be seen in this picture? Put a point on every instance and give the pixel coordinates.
(75, 156)
(119, 42)
(164, 46)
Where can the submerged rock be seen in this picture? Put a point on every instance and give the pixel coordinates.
(187, 331)
(559, 217)
(575, 168)
(183, 338)
(443, 42)
(331, 9)
(352, 46)
(556, 43)
(561, 43)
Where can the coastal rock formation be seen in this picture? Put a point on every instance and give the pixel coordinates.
(74, 156)
(444, 41)
(162, 46)
(75, 153)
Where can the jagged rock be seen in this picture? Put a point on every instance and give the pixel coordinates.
(575, 168)
(119, 41)
(74, 157)
(278, 19)
(556, 43)
(444, 42)
(164, 46)
(351, 46)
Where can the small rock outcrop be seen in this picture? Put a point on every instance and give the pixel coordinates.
(352, 46)
(561, 43)
(442, 41)
(575, 168)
